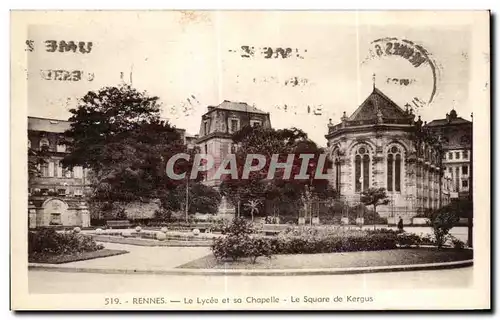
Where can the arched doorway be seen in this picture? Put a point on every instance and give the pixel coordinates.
(55, 212)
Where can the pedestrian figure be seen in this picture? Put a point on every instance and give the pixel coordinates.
(400, 224)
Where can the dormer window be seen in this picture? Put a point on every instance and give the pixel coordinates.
(44, 142)
(255, 123)
(205, 127)
(61, 147)
(234, 125)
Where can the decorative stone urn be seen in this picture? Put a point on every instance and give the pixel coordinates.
(161, 236)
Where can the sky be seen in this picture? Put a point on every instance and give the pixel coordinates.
(195, 59)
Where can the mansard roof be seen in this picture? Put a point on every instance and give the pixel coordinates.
(237, 106)
(378, 101)
(47, 125)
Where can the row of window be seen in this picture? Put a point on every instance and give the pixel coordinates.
(455, 176)
(61, 192)
(234, 125)
(362, 169)
(393, 169)
(55, 169)
(44, 142)
(465, 170)
(456, 155)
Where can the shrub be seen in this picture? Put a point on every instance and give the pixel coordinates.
(239, 243)
(457, 243)
(121, 215)
(235, 247)
(239, 226)
(217, 225)
(311, 240)
(230, 246)
(162, 215)
(257, 247)
(48, 241)
(408, 239)
(442, 221)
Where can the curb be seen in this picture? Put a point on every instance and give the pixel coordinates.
(262, 272)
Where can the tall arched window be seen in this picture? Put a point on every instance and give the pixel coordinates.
(394, 169)
(336, 165)
(362, 169)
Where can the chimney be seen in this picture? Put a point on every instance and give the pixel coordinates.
(447, 117)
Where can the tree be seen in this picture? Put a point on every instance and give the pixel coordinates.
(36, 158)
(374, 197)
(201, 198)
(118, 134)
(442, 221)
(278, 190)
(253, 205)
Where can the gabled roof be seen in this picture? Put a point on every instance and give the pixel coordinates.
(378, 101)
(237, 106)
(47, 125)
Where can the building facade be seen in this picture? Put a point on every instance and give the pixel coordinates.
(215, 136)
(376, 147)
(55, 195)
(217, 127)
(457, 145)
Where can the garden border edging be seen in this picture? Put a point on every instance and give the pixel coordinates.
(262, 272)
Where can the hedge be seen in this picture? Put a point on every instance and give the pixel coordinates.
(49, 241)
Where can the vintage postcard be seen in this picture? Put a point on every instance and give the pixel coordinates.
(250, 160)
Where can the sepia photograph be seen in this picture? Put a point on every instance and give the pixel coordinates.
(249, 160)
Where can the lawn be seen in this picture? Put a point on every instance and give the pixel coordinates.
(65, 258)
(151, 242)
(337, 260)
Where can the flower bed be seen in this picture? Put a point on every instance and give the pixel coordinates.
(242, 241)
(49, 241)
(50, 246)
(72, 257)
(359, 259)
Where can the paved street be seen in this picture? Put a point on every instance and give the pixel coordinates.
(62, 282)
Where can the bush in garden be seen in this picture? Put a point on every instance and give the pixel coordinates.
(239, 243)
(406, 239)
(229, 247)
(48, 241)
(442, 221)
(427, 239)
(239, 226)
(332, 240)
(217, 225)
(257, 247)
(457, 243)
